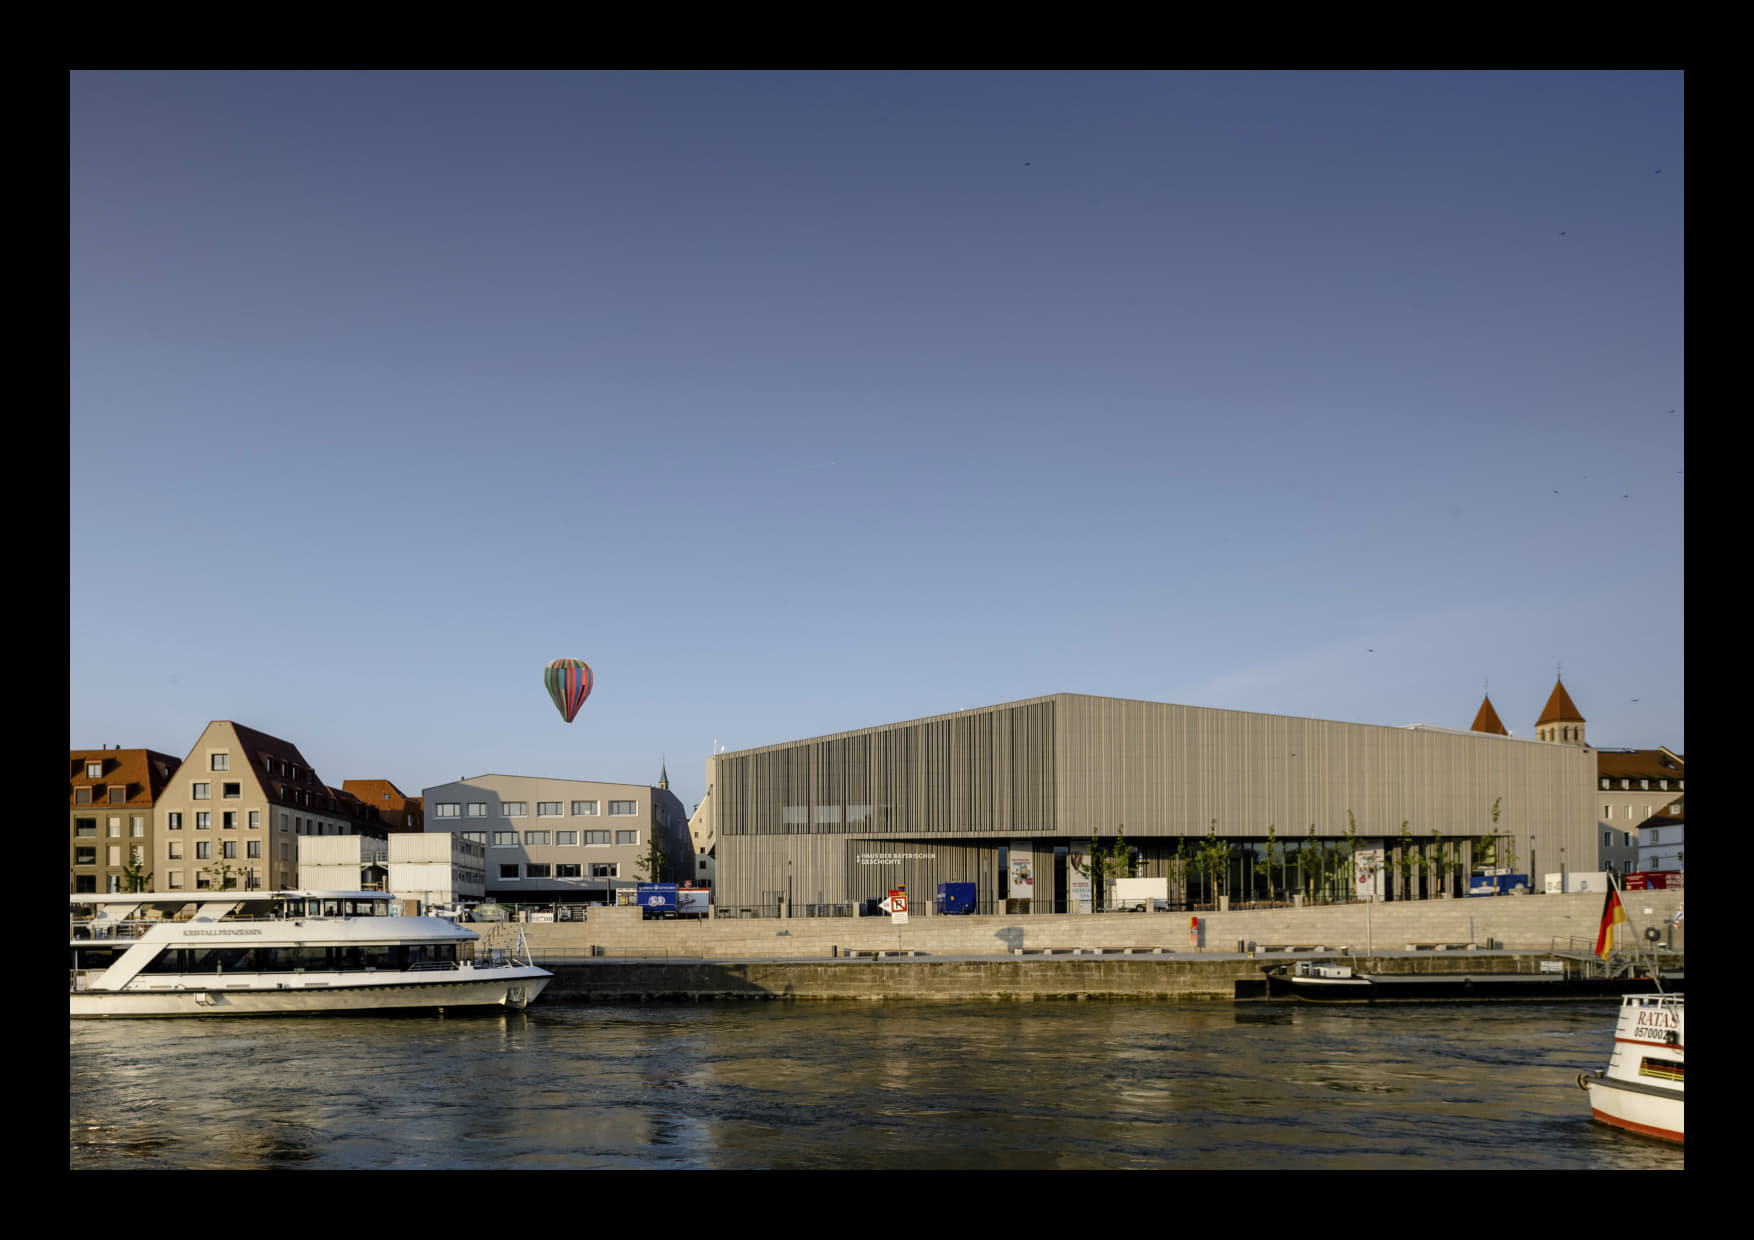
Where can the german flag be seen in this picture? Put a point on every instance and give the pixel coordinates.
(1613, 914)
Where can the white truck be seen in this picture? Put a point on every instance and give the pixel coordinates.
(1137, 895)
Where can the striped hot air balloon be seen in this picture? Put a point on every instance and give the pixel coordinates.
(569, 684)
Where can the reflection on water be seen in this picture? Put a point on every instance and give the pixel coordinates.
(896, 1085)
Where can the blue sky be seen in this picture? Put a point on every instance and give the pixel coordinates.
(795, 403)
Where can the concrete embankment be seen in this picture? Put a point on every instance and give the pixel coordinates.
(618, 955)
(1028, 978)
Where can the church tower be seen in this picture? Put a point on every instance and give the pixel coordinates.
(664, 776)
(1488, 721)
(1561, 720)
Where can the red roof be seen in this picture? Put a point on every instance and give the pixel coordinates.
(1488, 721)
(1640, 764)
(1560, 708)
(142, 773)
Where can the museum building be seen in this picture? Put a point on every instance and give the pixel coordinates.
(1223, 803)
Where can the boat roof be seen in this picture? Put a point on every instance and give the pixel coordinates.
(206, 896)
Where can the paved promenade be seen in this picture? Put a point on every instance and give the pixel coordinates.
(617, 954)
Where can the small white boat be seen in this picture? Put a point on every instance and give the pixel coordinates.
(1644, 1089)
(242, 953)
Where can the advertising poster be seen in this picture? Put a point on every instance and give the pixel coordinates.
(1367, 869)
(1078, 898)
(1022, 872)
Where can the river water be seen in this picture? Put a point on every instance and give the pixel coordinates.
(848, 1085)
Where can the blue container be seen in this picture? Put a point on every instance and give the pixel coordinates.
(658, 899)
(1496, 884)
(955, 898)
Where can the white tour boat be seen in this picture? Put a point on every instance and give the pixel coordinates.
(279, 952)
(1645, 1087)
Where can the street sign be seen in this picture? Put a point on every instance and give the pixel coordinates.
(896, 906)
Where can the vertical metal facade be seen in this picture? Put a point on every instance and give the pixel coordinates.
(845, 817)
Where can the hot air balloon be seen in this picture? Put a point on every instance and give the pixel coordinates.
(569, 684)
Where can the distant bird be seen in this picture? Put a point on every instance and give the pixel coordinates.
(1026, 163)
(1562, 232)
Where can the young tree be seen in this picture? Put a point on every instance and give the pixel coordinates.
(1272, 855)
(1309, 864)
(1117, 861)
(1213, 860)
(1407, 864)
(651, 864)
(1350, 851)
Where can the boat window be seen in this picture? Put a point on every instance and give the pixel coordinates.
(331, 908)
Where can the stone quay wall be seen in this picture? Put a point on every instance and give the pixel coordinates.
(1513, 923)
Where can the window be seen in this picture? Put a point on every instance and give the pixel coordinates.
(608, 869)
(94, 770)
(566, 837)
(535, 837)
(585, 808)
(623, 807)
(221, 762)
(536, 869)
(478, 809)
(515, 809)
(548, 809)
(176, 880)
(1607, 839)
(85, 828)
(231, 792)
(479, 837)
(229, 850)
(567, 870)
(1607, 813)
(203, 792)
(509, 870)
(627, 837)
(137, 825)
(596, 837)
(114, 828)
(255, 820)
(118, 794)
(85, 856)
(82, 796)
(173, 821)
(203, 850)
(505, 839)
(229, 820)
(446, 809)
(203, 821)
(176, 850)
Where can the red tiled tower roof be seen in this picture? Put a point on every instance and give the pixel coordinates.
(1560, 708)
(1488, 721)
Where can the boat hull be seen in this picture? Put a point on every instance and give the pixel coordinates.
(1452, 987)
(512, 988)
(1648, 1112)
